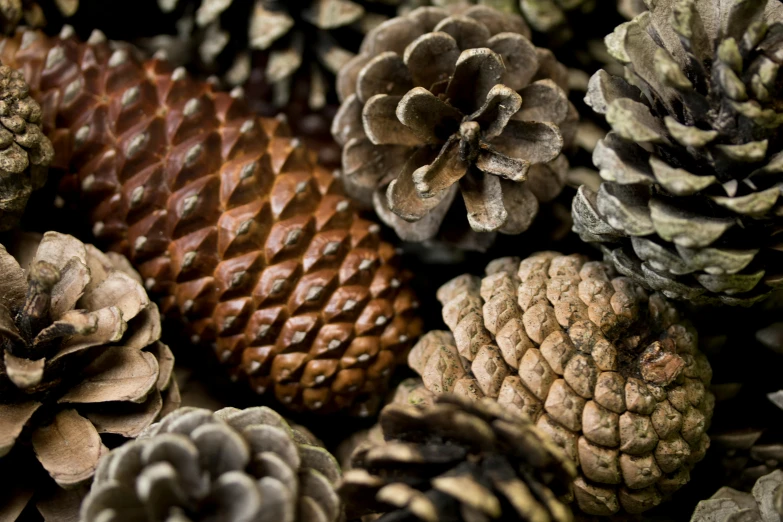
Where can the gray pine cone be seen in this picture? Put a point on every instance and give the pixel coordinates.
(228, 466)
(693, 166)
(764, 504)
(437, 104)
(25, 153)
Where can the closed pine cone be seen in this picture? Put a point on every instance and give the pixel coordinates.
(25, 153)
(227, 220)
(690, 203)
(458, 461)
(764, 504)
(608, 371)
(81, 359)
(437, 105)
(229, 466)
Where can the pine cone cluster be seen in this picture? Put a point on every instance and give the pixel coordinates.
(245, 240)
(81, 358)
(231, 465)
(25, 153)
(610, 373)
(458, 460)
(765, 504)
(437, 104)
(690, 200)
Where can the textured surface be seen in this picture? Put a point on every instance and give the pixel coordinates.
(458, 461)
(81, 360)
(765, 504)
(25, 153)
(232, 466)
(608, 371)
(438, 106)
(251, 245)
(690, 203)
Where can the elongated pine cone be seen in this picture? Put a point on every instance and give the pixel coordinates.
(25, 153)
(437, 104)
(228, 466)
(458, 461)
(690, 204)
(81, 359)
(608, 371)
(255, 248)
(765, 504)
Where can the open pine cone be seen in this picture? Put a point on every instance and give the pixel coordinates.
(765, 504)
(229, 223)
(608, 371)
(228, 466)
(437, 104)
(458, 461)
(690, 201)
(25, 153)
(81, 358)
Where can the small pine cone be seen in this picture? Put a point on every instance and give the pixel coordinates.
(438, 104)
(610, 373)
(690, 203)
(765, 504)
(458, 460)
(81, 358)
(25, 153)
(255, 248)
(228, 466)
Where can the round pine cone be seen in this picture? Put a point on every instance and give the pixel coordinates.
(765, 504)
(437, 104)
(81, 356)
(458, 460)
(231, 226)
(25, 153)
(611, 374)
(231, 465)
(690, 203)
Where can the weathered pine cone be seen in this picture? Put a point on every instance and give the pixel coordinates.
(228, 466)
(765, 504)
(458, 461)
(437, 104)
(25, 153)
(690, 202)
(609, 372)
(232, 227)
(81, 358)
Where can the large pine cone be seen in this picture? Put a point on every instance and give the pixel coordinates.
(608, 371)
(458, 460)
(765, 504)
(81, 359)
(228, 466)
(25, 153)
(226, 219)
(690, 201)
(437, 104)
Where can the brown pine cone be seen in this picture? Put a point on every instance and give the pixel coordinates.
(255, 248)
(229, 466)
(81, 359)
(437, 104)
(25, 153)
(611, 373)
(458, 461)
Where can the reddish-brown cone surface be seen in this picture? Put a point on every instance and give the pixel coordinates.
(255, 248)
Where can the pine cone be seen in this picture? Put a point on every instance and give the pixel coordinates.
(231, 465)
(610, 373)
(458, 460)
(253, 246)
(436, 102)
(690, 201)
(32, 12)
(81, 358)
(25, 153)
(765, 504)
